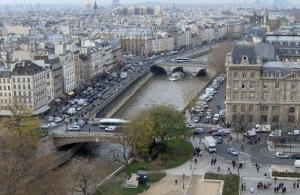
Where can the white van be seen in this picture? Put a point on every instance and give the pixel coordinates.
(210, 143)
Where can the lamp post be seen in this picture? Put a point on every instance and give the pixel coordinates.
(182, 181)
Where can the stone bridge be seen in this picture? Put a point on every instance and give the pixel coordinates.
(195, 67)
(67, 138)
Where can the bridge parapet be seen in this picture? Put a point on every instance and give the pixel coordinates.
(62, 139)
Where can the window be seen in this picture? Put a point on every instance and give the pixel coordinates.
(293, 96)
(265, 85)
(277, 74)
(235, 95)
(264, 118)
(234, 108)
(251, 96)
(235, 84)
(243, 118)
(244, 75)
(23, 80)
(277, 85)
(293, 86)
(277, 97)
(244, 96)
(293, 75)
(264, 108)
(243, 108)
(275, 119)
(275, 108)
(291, 119)
(234, 118)
(250, 119)
(28, 80)
(252, 85)
(243, 86)
(265, 96)
(250, 108)
(292, 110)
(252, 75)
(18, 80)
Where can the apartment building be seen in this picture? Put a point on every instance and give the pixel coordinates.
(261, 92)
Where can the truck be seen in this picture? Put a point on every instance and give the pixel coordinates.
(210, 144)
(71, 111)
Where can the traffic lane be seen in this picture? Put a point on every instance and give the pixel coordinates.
(221, 151)
(260, 153)
(218, 99)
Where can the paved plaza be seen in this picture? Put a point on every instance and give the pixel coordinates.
(250, 177)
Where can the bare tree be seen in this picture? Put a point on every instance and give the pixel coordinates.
(189, 97)
(217, 56)
(240, 125)
(84, 175)
(23, 171)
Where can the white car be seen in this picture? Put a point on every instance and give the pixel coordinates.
(58, 119)
(190, 125)
(79, 108)
(53, 124)
(50, 119)
(45, 126)
(74, 128)
(281, 155)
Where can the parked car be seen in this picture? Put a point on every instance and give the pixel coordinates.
(220, 140)
(295, 156)
(45, 126)
(198, 131)
(281, 155)
(50, 119)
(221, 132)
(190, 125)
(58, 119)
(53, 124)
(74, 128)
(232, 151)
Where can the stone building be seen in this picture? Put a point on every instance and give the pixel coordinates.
(259, 92)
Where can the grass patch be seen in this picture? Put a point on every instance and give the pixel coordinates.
(231, 182)
(178, 152)
(114, 187)
(285, 174)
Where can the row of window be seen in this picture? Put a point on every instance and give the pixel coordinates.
(243, 108)
(243, 74)
(4, 80)
(263, 118)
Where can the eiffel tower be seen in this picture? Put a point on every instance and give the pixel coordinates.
(116, 3)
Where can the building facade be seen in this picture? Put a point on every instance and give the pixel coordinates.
(261, 93)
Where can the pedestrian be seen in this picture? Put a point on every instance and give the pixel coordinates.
(176, 181)
(294, 184)
(297, 184)
(89, 130)
(195, 160)
(219, 169)
(212, 161)
(242, 188)
(228, 169)
(215, 161)
(275, 179)
(275, 189)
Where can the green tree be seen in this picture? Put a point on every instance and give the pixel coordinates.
(168, 121)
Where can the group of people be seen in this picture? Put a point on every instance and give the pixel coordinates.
(263, 186)
(280, 187)
(213, 161)
(198, 151)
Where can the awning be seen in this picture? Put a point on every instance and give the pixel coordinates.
(71, 93)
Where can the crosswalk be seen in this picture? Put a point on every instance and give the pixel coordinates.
(206, 125)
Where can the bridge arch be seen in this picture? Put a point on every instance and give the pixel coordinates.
(202, 72)
(158, 70)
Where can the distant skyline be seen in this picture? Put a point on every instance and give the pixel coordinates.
(106, 2)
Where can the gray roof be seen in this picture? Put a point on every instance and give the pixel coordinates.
(5, 74)
(27, 67)
(244, 49)
(266, 51)
(257, 32)
(284, 68)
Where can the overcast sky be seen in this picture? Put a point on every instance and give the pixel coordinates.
(127, 1)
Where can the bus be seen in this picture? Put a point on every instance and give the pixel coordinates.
(111, 124)
(182, 60)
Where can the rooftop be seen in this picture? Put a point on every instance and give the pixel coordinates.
(26, 67)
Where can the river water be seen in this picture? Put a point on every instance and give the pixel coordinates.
(159, 90)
